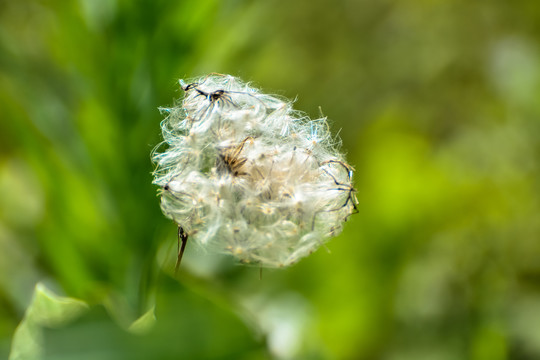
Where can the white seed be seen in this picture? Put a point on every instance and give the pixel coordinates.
(245, 174)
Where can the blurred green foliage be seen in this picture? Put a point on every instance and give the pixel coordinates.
(438, 105)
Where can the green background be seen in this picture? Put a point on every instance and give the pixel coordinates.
(438, 103)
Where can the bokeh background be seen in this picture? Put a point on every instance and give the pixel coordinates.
(438, 106)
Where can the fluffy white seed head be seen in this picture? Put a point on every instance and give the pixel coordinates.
(245, 174)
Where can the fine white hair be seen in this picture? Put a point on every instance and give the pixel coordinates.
(247, 175)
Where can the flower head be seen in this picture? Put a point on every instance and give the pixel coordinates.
(245, 174)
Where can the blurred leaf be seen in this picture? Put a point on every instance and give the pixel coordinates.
(45, 310)
(144, 324)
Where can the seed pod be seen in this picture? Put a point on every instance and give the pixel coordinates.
(247, 175)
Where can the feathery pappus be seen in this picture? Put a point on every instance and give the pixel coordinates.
(247, 175)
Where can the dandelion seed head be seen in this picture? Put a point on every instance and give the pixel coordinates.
(245, 174)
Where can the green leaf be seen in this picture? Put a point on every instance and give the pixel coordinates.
(143, 324)
(45, 310)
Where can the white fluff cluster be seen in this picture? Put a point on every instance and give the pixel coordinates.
(245, 174)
